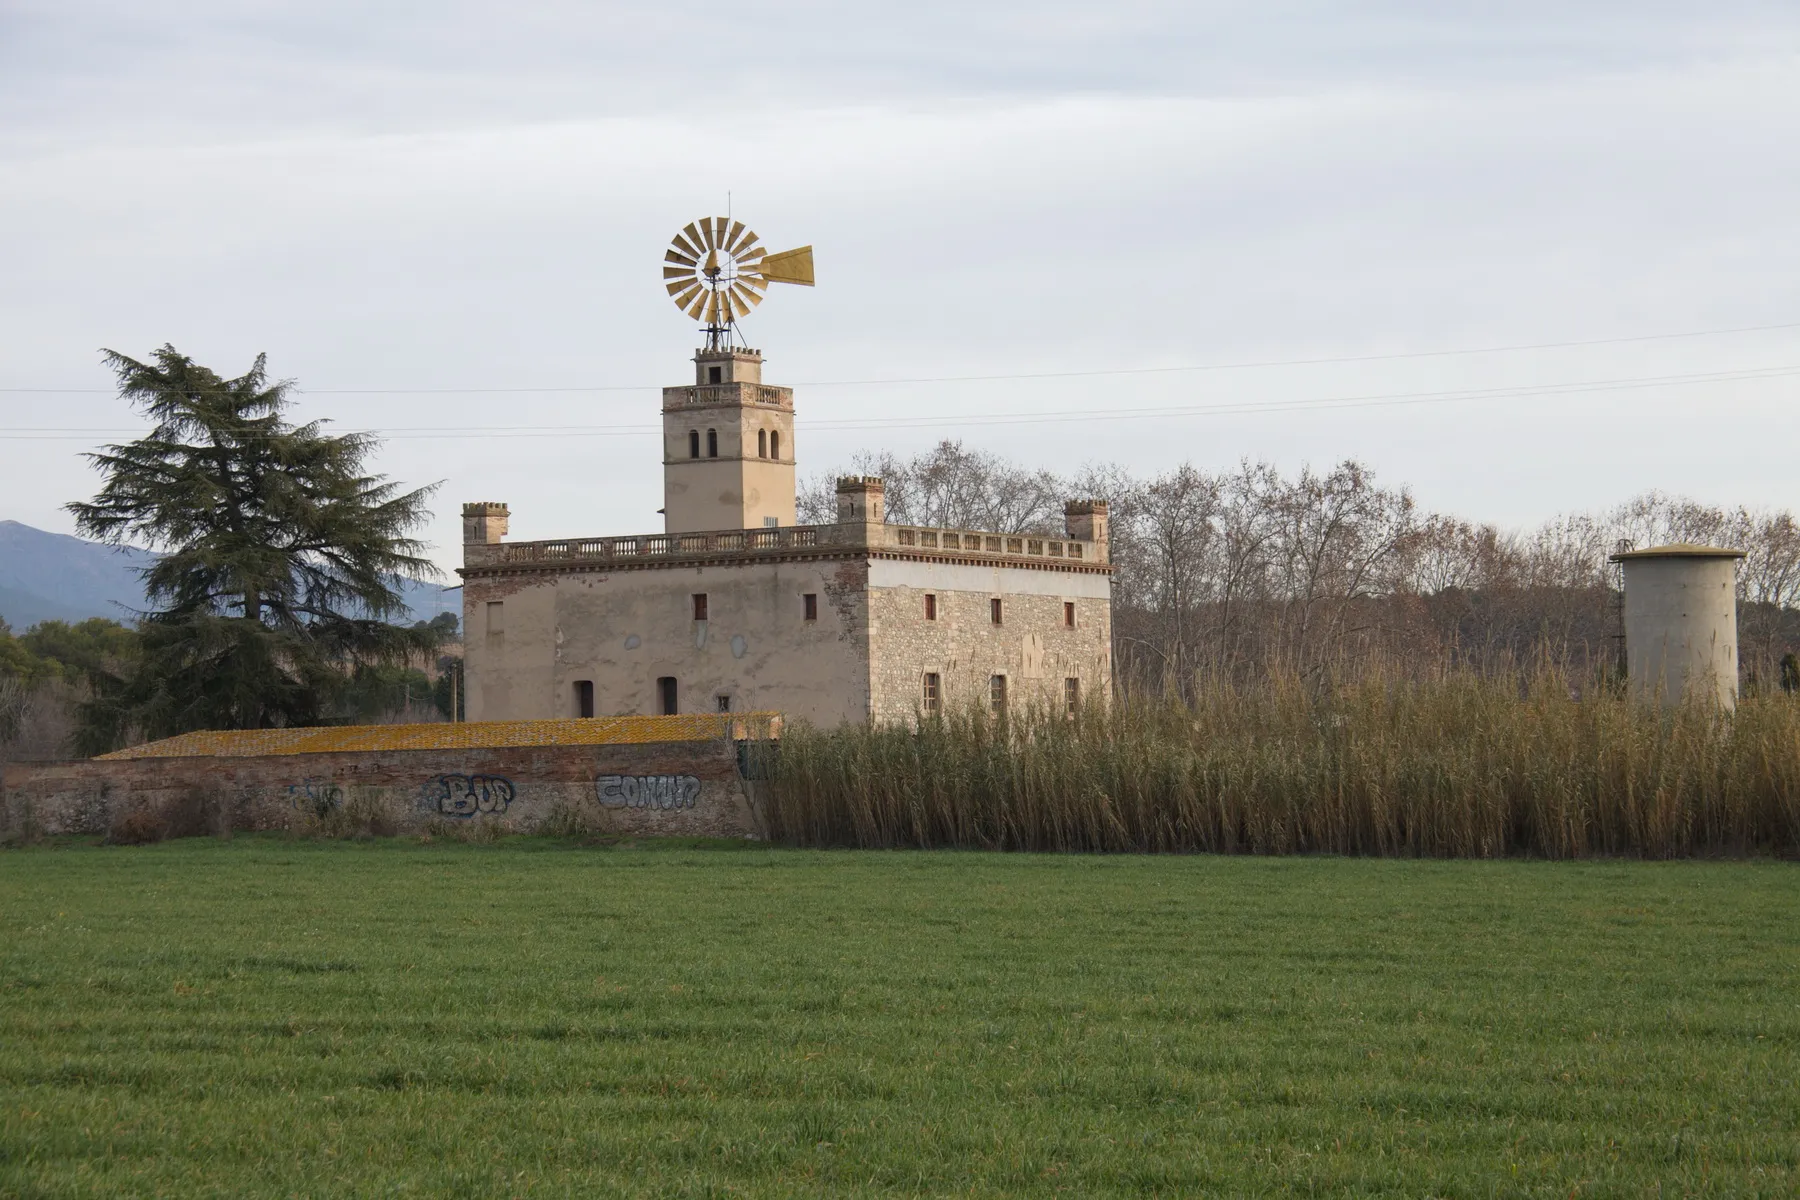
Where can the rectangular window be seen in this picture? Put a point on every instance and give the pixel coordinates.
(771, 522)
(1072, 695)
(496, 617)
(584, 697)
(932, 696)
(699, 606)
(997, 694)
(665, 695)
(810, 604)
(714, 374)
(930, 607)
(994, 610)
(724, 703)
(1069, 614)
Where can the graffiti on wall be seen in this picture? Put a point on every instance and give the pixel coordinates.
(468, 795)
(320, 797)
(663, 792)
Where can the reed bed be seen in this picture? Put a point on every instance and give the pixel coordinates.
(1456, 766)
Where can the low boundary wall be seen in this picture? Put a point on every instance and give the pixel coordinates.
(691, 788)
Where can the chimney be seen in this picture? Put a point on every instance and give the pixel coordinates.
(861, 499)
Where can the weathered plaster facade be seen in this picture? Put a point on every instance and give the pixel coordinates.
(683, 788)
(852, 621)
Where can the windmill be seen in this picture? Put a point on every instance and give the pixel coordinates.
(716, 272)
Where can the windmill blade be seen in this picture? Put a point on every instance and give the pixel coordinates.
(684, 246)
(749, 250)
(744, 296)
(719, 224)
(755, 281)
(699, 305)
(687, 293)
(676, 256)
(694, 236)
(737, 231)
(678, 272)
(790, 266)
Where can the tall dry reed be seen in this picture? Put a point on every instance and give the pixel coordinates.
(1457, 766)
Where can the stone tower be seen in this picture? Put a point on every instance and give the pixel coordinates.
(728, 447)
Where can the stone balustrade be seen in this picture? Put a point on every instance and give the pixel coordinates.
(737, 543)
(728, 393)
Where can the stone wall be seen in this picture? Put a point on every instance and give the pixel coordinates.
(1033, 646)
(666, 788)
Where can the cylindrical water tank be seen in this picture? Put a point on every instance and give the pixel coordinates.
(1681, 622)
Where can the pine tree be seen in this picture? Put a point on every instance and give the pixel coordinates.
(279, 556)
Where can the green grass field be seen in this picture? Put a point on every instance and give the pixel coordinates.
(267, 1017)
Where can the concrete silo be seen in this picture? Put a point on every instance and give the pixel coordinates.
(1681, 622)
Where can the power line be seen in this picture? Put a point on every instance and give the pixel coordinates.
(1228, 408)
(1112, 371)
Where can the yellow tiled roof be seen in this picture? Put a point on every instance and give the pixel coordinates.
(332, 739)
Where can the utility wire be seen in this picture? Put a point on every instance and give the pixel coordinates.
(821, 383)
(1229, 408)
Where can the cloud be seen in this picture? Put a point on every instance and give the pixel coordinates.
(444, 198)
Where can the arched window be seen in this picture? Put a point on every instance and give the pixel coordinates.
(762, 443)
(693, 443)
(775, 445)
(712, 443)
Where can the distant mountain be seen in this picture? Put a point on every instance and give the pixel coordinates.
(55, 577)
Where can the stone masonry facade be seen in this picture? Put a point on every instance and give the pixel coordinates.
(857, 620)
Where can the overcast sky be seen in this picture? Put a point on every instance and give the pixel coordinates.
(477, 196)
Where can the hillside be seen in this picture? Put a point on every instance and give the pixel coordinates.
(53, 576)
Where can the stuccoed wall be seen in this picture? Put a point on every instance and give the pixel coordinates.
(1681, 627)
(624, 629)
(668, 788)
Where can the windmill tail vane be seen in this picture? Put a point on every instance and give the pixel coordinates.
(717, 271)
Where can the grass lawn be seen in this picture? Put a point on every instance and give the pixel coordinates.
(267, 1017)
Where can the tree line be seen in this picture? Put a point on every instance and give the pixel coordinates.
(1233, 575)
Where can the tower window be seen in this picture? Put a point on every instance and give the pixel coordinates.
(809, 604)
(994, 609)
(1069, 614)
(712, 443)
(1072, 695)
(693, 443)
(724, 701)
(762, 443)
(930, 607)
(775, 444)
(931, 696)
(665, 694)
(997, 694)
(496, 617)
(699, 606)
(715, 374)
(584, 697)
